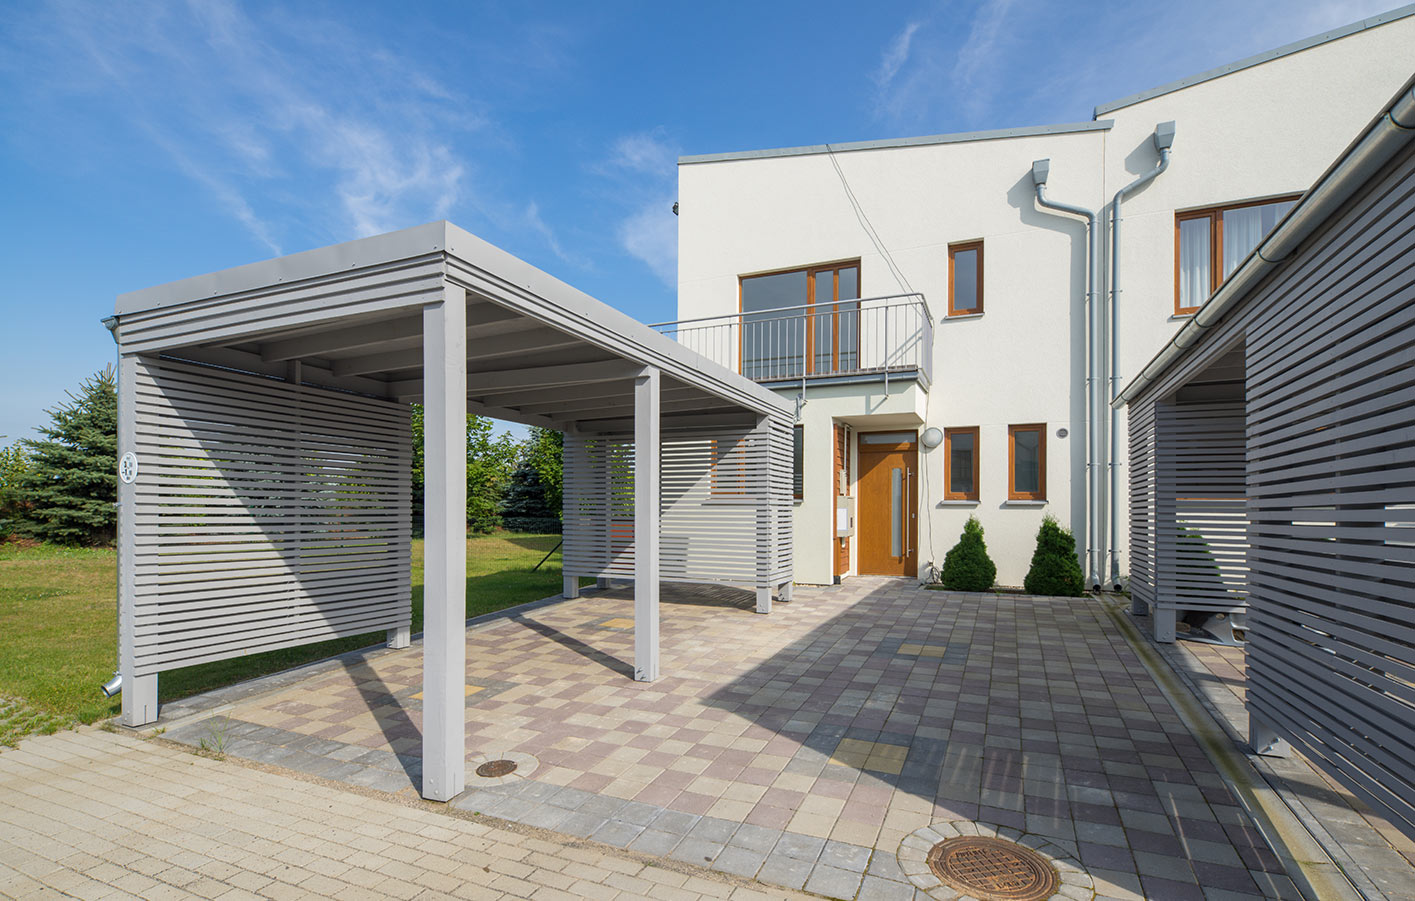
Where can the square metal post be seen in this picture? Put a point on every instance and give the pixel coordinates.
(139, 692)
(646, 515)
(445, 526)
(570, 586)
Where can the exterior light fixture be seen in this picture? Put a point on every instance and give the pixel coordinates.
(931, 438)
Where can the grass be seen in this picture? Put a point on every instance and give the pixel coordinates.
(58, 632)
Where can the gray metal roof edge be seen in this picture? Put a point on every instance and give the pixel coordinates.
(1316, 40)
(431, 237)
(885, 144)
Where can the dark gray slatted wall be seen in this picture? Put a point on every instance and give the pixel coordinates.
(268, 515)
(1331, 390)
(1330, 416)
(1141, 421)
(1201, 532)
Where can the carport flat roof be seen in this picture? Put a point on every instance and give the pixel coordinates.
(539, 351)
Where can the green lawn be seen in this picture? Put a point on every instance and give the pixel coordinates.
(58, 628)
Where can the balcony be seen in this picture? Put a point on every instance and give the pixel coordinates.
(873, 338)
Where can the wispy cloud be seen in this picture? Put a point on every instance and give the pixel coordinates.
(267, 114)
(644, 169)
(894, 56)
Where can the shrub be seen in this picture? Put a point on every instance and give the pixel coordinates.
(967, 567)
(1055, 569)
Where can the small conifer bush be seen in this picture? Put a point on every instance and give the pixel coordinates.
(967, 567)
(1055, 570)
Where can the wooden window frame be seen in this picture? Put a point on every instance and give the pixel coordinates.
(810, 309)
(1216, 265)
(954, 249)
(1041, 493)
(948, 493)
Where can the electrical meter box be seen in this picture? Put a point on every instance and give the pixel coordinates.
(844, 516)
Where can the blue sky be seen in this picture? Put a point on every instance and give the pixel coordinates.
(142, 142)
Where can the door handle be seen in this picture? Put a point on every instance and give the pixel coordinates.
(904, 511)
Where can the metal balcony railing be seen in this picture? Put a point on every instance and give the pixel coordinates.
(881, 336)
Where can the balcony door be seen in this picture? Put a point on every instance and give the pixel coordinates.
(801, 322)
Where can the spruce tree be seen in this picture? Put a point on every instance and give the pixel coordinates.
(1055, 569)
(71, 483)
(967, 567)
(524, 506)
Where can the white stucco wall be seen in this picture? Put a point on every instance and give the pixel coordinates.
(1258, 132)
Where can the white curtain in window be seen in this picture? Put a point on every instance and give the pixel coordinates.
(1193, 262)
(1242, 230)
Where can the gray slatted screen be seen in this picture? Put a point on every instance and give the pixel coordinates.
(268, 515)
(723, 491)
(1141, 419)
(1329, 378)
(1201, 521)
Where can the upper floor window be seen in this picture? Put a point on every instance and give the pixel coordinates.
(1026, 462)
(965, 278)
(1210, 243)
(960, 464)
(802, 321)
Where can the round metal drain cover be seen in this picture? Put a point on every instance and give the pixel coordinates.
(493, 768)
(993, 869)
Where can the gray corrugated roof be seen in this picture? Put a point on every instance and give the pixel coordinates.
(1295, 47)
(959, 138)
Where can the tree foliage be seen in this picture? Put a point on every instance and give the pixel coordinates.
(1055, 568)
(13, 466)
(70, 485)
(524, 506)
(967, 566)
(544, 451)
(490, 459)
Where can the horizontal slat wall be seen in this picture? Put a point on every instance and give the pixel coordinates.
(1201, 520)
(725, 505)
(1143, 461)
(1330, 385)
(268, 515)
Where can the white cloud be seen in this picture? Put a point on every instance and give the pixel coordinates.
(644, 169)
(650, 234)
(895, 56)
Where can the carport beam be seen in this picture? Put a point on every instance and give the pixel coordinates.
(445, 561)
(646, 524)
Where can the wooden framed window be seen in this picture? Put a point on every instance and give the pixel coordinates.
(1027, 462)
(960, 464)
(798, 462)
(1210, 243)
(965, 278)
(800, 321)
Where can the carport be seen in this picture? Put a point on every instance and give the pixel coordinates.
(265, 440)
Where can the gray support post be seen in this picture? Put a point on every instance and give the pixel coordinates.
(139, 692)
(571, 587)
(400, 637)
(445, 566)
(1166, 623)
(1264, 739)
(760, 450)
(646, 514)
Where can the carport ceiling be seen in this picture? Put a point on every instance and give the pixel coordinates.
(518, 369)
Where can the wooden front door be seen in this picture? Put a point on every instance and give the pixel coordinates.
(888, 495)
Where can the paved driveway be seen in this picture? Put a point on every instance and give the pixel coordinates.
(802, 748)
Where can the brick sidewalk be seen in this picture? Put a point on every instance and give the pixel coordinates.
(92, 814)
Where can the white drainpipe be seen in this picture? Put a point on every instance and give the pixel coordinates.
(1095, 381)
(1163, 138)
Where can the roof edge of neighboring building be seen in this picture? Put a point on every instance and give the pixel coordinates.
(1316, 40)
(958, 138)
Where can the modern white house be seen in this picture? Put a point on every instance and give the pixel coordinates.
(952, 315)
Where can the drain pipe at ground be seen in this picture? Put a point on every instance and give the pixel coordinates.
(1095, 384)
(1163, 138)
(115, 684)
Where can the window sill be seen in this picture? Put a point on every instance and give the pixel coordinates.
(1182, 317)
(954, 317)
(1022, 503)
(958, 503)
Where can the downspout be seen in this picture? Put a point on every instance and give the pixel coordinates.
(1163, 138)
(1095, 383)
(115, 684)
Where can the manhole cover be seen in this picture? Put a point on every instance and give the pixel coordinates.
(993, 869)
(493, 768)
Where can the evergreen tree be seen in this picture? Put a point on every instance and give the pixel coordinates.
(1055, 568)
(71, 484)
(525, 506)
(13, 465)
(545, 451)
(967, 566)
